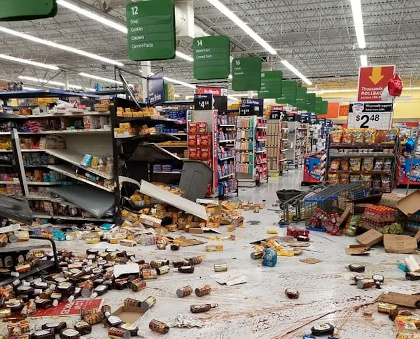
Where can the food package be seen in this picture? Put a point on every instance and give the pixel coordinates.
(344, 165)
(367, 164)
(365, 177)
(344, 178)
(358, 136)
(391, 136)
(380, 136)
(336, 136)
(370, 135)
(355, 164)
(347, 136)
(387, 164)
(379, 164)
(354, 178)
(335, 164)
(333, 178)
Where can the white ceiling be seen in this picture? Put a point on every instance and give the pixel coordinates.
(317, 37)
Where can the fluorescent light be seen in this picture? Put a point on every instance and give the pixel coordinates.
(363, 60)
(184, 56)
(356, 8)
(228, 13)
(30, 88)
(92, 15)
(59, 46)
(179, 82)
(43, 81)
(294, 70)
(232, 98)
(28, 62)
(100, 78)
(244, 95)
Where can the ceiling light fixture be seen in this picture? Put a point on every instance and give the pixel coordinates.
(30, 88)
(179, 82)
(28, 62)
(43, 81)
(184, 56)
(363, 60)
(59, 46)
(356, 8)
(294, 70)
(92, 15)
(100, 78)
(232, 98)
(232, 16)
(103, 20)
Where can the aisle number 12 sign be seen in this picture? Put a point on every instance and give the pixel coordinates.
(370, 115)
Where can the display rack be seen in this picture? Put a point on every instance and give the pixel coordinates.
(276, 146)
(298, 142)
(371, 163)
(409, 161)
(226, 124)
(59, 143)
(251, 154)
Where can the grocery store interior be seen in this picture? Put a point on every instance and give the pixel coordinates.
(209, 169)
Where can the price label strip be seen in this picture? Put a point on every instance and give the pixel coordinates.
(370, 115)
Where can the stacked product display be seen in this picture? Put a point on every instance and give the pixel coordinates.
(363, 155)
(298, 142)
(408, 170)
(274, 143)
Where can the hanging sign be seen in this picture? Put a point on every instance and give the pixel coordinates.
(271, 84)
(12, 10)
(246, 74)
(219, 96)
(301, 97)
(211, 57)
(156, 89)
(151, 30)
(372, 81)
(289, 90)
(370, 115)
(203, 102)
(251, 107)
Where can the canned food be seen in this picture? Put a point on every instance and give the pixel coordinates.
(195, 260)
(149, 273)
(3, 239)
(158, 326)
(94, 318)
(356, 268)
(366, 283)
(118, 333)
(163, 270)
(149, 302)
(206, 289)
(256, 255)
(220, 268)
(130, 302)
(184, 291)
(292, 293)
(137, 285)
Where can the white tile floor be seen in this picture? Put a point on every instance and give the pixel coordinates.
(259, 308)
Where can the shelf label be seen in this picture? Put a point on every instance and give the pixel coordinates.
(251, 107)
(372, 81)
(12, 10)
(203, 102)
(312, 119)
(370, 115)
(151, 30)
(276, 115)
(211, 57)
(246, 74)
(304, 117)
(271, 84)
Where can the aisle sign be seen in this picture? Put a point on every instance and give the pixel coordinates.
(151, 30)
(288, 92)
(211, 57)
(203, 102)
(370, 115)
(246, 74)
(318, 105)
(156, 89)
(301, 97)
(271, 84)
(310, 100)
(251, 107)
(277, 112)
(372, 81)
(12, 10)
(324, 107)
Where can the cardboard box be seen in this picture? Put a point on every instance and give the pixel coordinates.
(370, 238)
(130, 314)
(357, 250)
(406, 300)
(150, 221)
(410, 204)
(399, 243)
(195, 230)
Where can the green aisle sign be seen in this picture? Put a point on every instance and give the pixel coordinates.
(246, 74)
(301, 98)
(12, 10)
(271, 84)
(318, 106)
(324, 107)
(288, 92)
(151, 30)
(310, 100)
(211, 57)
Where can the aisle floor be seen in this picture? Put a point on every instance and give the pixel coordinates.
(259, 308)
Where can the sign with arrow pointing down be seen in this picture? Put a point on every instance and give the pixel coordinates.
(372, 81)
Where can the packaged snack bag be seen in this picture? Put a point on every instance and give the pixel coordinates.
(379, 164)
(335, 164)
(358, 136)
(370, 135)
(335, 136)
(344, 164)
(355, 164)
(367, 164)
(347, 136)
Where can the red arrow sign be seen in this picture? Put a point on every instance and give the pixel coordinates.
(372, 81)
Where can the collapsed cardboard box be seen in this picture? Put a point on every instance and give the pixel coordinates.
(410, 204)
(399, 243)
(370, 238)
